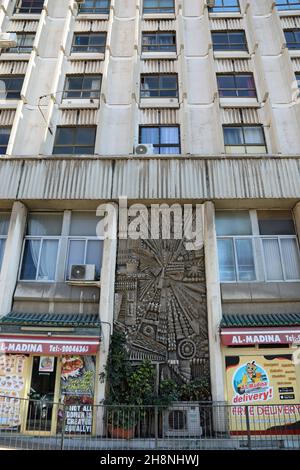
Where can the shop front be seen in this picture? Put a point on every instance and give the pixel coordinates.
(262, 374)
(48, 382)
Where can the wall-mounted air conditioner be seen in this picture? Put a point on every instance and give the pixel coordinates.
(8, 40)
(144, 149)
(82, 272)
(182, 420)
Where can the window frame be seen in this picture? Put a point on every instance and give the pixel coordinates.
(8, 78)
(244, 144)
(156, 47)
(286, 6)
(223, 8)
(19, 49)
(159, 9)
(72, 145)
(228, 33)
(159, 145)
(3, 238)
(86, 240)
(94, 10)
(292, 46)
(41, 239)
(85, 49)
(82, 90)
(31, 9)
(2, 146)
(160, 89)
(236, 89)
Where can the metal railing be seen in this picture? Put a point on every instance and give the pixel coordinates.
(182, 426)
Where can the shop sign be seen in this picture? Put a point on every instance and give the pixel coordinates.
(267, 385)
(55, 346)
(252, 336)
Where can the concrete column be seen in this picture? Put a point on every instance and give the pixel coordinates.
(296, 211)
(106, 306)
(214, 305)
(12, 254)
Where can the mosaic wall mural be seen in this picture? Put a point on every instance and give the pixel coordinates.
(161, 306)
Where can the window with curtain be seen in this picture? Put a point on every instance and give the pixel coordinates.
(165, 139)
(89, 42)
(4, 224)
(159, 86)
(223, 6)
(279, 246)
(229, 41)
(82, 86)
(84, 246)
(287, 4)
(29, 6)
(271, 254)
(158, 6)
(244, 139)
(41, 247)
(236, 85)
(100, 7)
(159, 42)
(235, 246)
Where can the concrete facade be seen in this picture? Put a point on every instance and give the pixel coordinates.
(33, 179)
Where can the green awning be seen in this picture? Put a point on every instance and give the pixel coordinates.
(260, 319)
(51, 319)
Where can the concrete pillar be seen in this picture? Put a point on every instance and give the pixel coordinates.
(214, 305)
(11, 258)
(106, 307)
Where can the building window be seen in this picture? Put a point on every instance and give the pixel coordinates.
(236, 85)
(244, 139)
(297, 74)
(4, 224)
(229, 41)
(10, 87)
(100, 7)
(29, 6)
(84, 246)
(41, 247)
(24, 44)
(159, 42)
(159, 6)
(222, 6)
(287, 5)
(89, 42)
(272, 254)
(165, 139)
(78, 140)
(292, 38)
(159, 86)
(4, 138)
(82, 86)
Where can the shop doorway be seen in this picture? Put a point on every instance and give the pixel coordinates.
(41, 410)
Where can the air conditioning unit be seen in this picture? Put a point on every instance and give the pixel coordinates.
(8, 40)
(211, 3)
(144, 149)
(182, 420)
(82, 272)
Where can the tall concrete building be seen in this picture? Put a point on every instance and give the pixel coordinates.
(193, 104)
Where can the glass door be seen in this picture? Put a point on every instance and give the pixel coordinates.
(41, 395)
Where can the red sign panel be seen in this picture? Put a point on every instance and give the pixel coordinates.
(252, 336)
(48, 346)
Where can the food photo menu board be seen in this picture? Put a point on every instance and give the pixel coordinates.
(12, 386)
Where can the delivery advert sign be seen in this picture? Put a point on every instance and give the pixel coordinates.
(268, 385)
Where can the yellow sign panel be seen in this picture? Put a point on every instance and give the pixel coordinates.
(267, 385)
